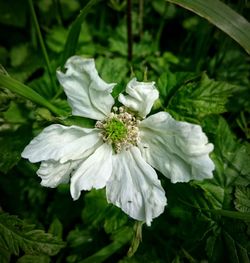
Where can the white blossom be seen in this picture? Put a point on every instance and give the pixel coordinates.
(122, 150)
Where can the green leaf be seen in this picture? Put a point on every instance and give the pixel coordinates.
(201, 98)
(111, 217)
(212, 246)
(33, 259)
(213, 193)
(13, 13)
(236, 253)
(14, 114)
(113, 70)
(16, 235)
(25, 62)
(122, 237)
(11, 146)
(79, 238)
(18, 54)
(224, 246)
(56, 228)
(74, 32)
(242, 201)
(222, 16)
(231, 156)
(232, 214)
(166, 84)
(25, 91)
(4, 255)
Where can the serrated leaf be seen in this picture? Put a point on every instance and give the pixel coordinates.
(16, 235)
(242, 201)
(231, 156)
(202, 98)
(213, 193)
(166, 83)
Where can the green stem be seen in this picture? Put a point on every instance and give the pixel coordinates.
(57, 12)
(141, 14)
(40, 38)
(161, 27)
(129, 30)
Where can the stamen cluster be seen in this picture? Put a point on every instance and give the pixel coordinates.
(120, 129)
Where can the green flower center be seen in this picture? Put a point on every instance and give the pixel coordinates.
(115, 130)
(120, 129)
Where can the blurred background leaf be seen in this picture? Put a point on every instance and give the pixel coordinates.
(222, 16)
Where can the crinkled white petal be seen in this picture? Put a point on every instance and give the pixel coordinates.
(141, 96)
(179, 150)
(61, 143)
(54, 173)
(88, 95)
(94, 172)
(134, 186)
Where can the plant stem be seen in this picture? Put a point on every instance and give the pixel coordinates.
(141, 11)
(57, 12)
(161, 27)
(129, 30)
(40, 38)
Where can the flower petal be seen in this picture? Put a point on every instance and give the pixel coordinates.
(134, 186)
(61, 143)
(141, 96)
(88, 95)
(54, 173)
(94, 172)
(179, 150)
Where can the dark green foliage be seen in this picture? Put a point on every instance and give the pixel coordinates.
(201, 98)
(202, 76)
(11, 145)
(18, 236)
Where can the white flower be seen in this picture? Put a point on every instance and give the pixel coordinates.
(122, 149)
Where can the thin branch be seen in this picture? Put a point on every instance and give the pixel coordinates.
(40, 38)
(129, 30)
